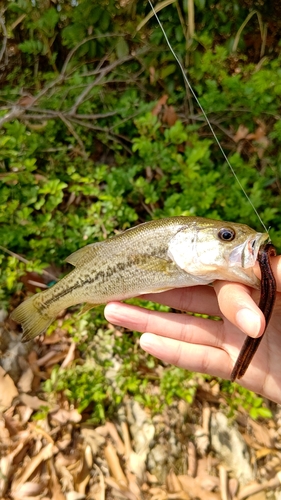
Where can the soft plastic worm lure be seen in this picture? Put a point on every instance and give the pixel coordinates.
(266, 304)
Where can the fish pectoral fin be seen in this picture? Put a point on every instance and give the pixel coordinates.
(154, 264)
(87, 307)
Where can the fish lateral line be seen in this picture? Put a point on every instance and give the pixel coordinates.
(189, 86)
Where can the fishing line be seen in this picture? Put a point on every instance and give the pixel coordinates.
(186, 80)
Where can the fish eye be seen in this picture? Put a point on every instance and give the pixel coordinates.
(226, 234)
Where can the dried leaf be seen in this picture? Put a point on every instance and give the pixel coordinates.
(44, 454)
(28, 489)
(209, 483)
(82, 479)
(32, 401)
(241, 133)
(173, 483)
(110, 429)
(93, 438)
(263, 452)
(261, 434)
(8, 390)
(159, 106)
(74, 495)
(224, 483)
(25, 382)
(114, 465)
(169, 116)
(25, 413)
(192, 459)
(70, 355)
(191, 486)
(64, 416)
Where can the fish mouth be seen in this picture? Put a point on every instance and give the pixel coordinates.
(245, 255)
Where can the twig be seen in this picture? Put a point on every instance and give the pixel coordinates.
(98, 115)
(109, 67)
(102, 483)
(224, 483)
(102, 73)
(137, 113)
(112, 137)
(25, 261)
(17, 21)
(4, 43)
(85, 40)
(70, 356)
(191, 20)
(86, 124)
(74, 133)
(252, 489)
(15, 112)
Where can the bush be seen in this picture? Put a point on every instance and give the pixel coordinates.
(98, 132)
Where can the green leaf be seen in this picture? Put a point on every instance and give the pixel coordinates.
(122, 48)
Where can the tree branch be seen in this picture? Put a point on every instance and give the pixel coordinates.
(4, 43)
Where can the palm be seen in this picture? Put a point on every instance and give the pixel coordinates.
(205, 345)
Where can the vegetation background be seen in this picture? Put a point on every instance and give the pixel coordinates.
(98, 133)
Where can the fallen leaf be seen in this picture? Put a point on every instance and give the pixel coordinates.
(44, 454)
(64, 416)
(169, 116)
(8, 390)
(241, 133)
(32, 401)
(159, 106)
(27, 490)
(83, 477)
(172, 482)
(191, 486)
(114, 465)
(261, 434)
(25, 382)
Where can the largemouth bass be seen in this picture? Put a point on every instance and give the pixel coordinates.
(153, 257)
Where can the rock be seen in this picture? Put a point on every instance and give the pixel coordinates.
(229, 444)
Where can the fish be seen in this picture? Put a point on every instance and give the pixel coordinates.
(151, 257)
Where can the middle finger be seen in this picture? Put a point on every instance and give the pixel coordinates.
(180, 327)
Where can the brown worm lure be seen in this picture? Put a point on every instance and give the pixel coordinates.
(266, 304)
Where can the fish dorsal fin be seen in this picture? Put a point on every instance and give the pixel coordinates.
(78, 258)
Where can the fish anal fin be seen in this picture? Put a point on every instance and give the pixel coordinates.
(87, 307)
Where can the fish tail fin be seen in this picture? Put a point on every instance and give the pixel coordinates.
(33, 322)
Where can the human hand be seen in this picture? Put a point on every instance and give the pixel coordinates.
(209, 346)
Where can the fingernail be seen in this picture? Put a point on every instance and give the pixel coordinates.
(149, 342)
(112, 312)
(249, 322)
